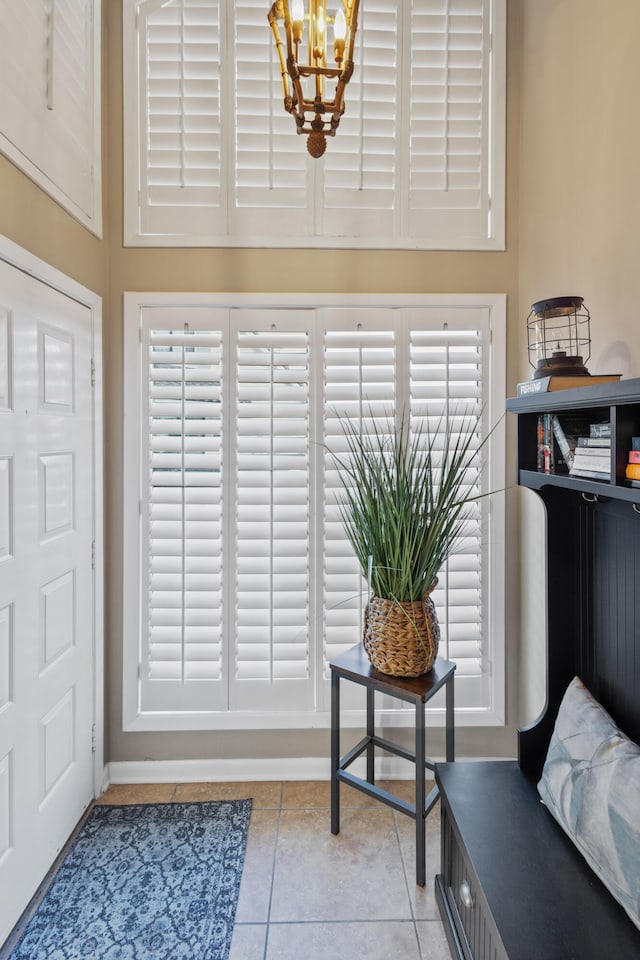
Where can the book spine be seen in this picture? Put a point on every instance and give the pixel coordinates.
(590, 474)
(594, 442)
(563, 443)
(634, 456)
(633, 471)
(549, 466)
(540, 443)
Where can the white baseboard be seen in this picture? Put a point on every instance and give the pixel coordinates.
(259, 768)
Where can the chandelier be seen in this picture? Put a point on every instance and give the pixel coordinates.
(305, 65)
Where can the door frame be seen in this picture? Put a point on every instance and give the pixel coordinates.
(16, 256)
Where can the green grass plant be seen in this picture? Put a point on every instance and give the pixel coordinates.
(405, 497)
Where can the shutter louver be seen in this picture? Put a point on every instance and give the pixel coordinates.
(184, 517)
(272, 509)
(180, 131)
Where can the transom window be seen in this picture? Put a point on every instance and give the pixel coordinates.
(211, 156)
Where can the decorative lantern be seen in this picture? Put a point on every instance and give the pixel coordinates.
(558, 337)
(313, 84)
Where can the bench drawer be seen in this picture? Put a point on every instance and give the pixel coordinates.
(472, 934)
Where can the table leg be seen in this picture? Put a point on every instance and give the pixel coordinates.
(370, 734)
(450, 747)
(420, 796)
(335, 752)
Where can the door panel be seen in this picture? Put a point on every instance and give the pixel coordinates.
(46, 580)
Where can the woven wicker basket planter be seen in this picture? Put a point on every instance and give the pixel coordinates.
(401, 639)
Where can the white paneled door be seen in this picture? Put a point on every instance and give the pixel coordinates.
(46, 580)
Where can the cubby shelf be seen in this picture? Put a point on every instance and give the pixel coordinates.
(617, 402)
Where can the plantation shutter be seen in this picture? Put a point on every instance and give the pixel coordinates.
(179, 124)
(182, 652)
(271, 163)
(359, 375)
(360, 167)
(272, 492)
(447, 384)
(48, 98)
(417, 159)
(449, 116)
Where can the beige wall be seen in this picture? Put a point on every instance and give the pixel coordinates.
(31, 219)
(579, 210)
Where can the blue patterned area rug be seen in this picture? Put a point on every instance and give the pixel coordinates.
(152, 881)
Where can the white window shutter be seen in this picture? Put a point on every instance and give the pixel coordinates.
(360, 166)
(179, 120)
(183, 476)
(449, 117)
(271, 163)
(272, 538)
(50, 99)
(359, 373)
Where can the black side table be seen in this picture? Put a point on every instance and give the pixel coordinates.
(354, 665)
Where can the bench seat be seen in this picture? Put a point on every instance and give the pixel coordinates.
(513, 884)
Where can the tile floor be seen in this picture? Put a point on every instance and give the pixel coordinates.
(307, 895)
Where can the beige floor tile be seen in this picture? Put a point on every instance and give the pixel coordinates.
(356, 875)
(343, 941)
(255, 889)
(422, 898)
(248, 941)
(433, 940)
(312, 794)
(406, 789)
(306, 794)
(265, 794)
(122, 793)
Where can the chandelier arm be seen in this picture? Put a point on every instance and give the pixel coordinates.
(273, 22)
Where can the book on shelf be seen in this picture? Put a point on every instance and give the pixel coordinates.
(547, 384)
(632, 471)
(633, 483)
(593, 461)
(635, 443)
(599, 431)
(590, 474)
(594, 442)
(634, 456)
(566, 444)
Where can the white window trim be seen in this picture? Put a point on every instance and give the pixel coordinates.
(134, 719)
(91, 218)
(495, 238)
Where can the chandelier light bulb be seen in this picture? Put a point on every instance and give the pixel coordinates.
(340, 25)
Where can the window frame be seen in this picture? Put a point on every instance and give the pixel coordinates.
(134, 718)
